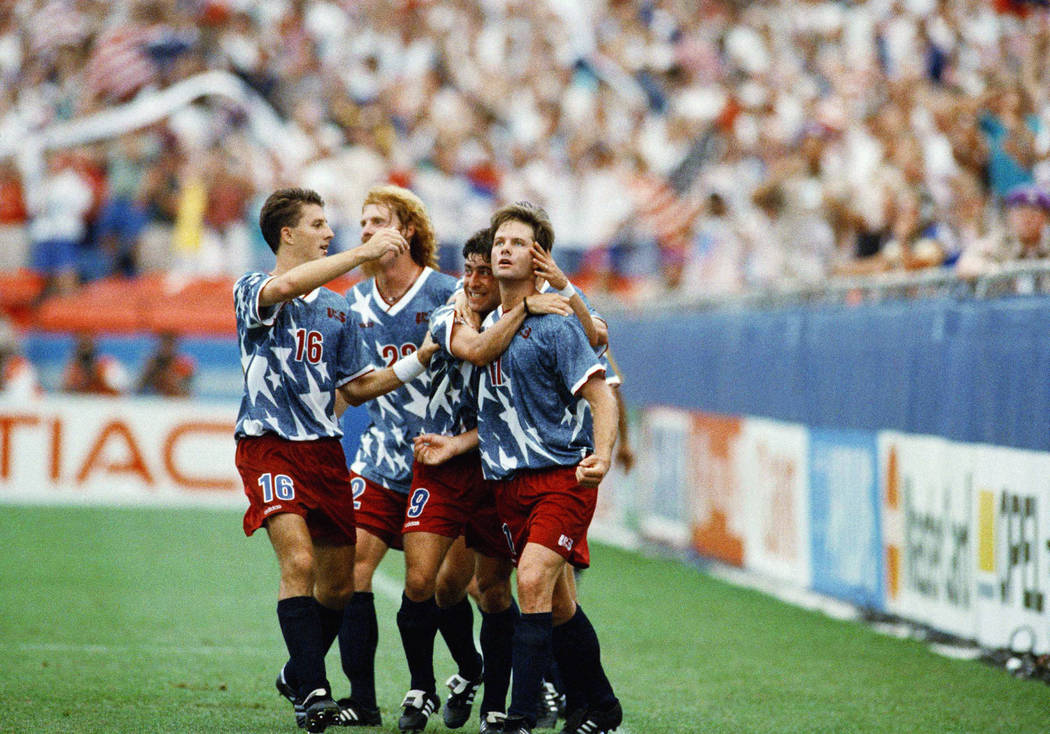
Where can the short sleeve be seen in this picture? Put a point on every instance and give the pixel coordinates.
(353, 357)
(442, 322)
(246, 301)
(574, 357)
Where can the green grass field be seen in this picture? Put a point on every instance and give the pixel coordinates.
(121, 620)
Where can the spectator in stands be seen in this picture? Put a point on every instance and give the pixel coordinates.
(94, 373)
(686, 97)
(18, 378)
(1027, 236)
(59, 222)
(167, 372)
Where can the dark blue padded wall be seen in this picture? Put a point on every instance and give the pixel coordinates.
(976, 371)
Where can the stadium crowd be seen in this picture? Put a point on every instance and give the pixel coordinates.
(693, 146)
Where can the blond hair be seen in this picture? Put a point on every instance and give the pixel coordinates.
(410, 212)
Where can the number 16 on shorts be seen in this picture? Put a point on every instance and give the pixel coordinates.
(276, 487)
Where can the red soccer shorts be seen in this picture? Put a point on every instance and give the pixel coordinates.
(308, 478)
(548, 507)
(454, 499)
(379, 510)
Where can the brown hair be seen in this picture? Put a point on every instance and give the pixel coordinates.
(283, 209)
(527, 213)
(410, 212)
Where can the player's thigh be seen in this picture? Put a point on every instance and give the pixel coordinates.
(367, 556)
(424, 553)
(291, 542)
(538, 570)
(334, 578)
(455, 574)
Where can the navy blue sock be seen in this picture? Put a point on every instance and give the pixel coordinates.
(497, 649)
(358, 640)
(532, 658)
(301, 628)
(417, 621)
(578, 653)
(457, 627)
(331, 620)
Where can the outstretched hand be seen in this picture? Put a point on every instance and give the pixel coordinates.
(433, 448)
(543, 265)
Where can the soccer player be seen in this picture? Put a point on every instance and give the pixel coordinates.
(450, 499)
(390, 311)
(296, 355)
(548, 454)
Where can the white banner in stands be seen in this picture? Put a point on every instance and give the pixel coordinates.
(118, 450)
(1012, 513)
(772, 467)
(928, 531)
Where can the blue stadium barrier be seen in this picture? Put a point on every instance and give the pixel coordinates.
(970, 370)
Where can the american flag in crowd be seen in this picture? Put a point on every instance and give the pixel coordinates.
(120, 62)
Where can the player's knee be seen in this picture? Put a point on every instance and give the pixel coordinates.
(419, 585)
(533, 584)
(562, 609)
(335, 593)
(493, 595)
(363, 572)
(297, 566)
(450, 590)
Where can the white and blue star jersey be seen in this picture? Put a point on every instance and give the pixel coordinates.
(529, 413)
(389, 333)
(293, 356)
(452, 408)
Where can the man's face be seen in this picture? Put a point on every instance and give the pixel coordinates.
(311, 235)
(375, 216)
(479, 285)
(512, 251)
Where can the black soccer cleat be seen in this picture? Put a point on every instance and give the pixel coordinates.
(416, 709)
(516, 725)
(285, 689)
(573, 719)
(551, 704)
(352, 713)
(319, 710)
(599, 721)
(460, 699)
(492, 722)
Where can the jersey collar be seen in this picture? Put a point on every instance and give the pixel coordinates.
(400, 303)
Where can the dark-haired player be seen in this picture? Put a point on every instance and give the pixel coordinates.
(450, 499)
(295, 356)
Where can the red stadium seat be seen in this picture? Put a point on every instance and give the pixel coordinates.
(107, 305)
(19, 290)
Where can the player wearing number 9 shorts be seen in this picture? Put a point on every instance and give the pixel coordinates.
(451, 500)
(295, 356)
(389, 313)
